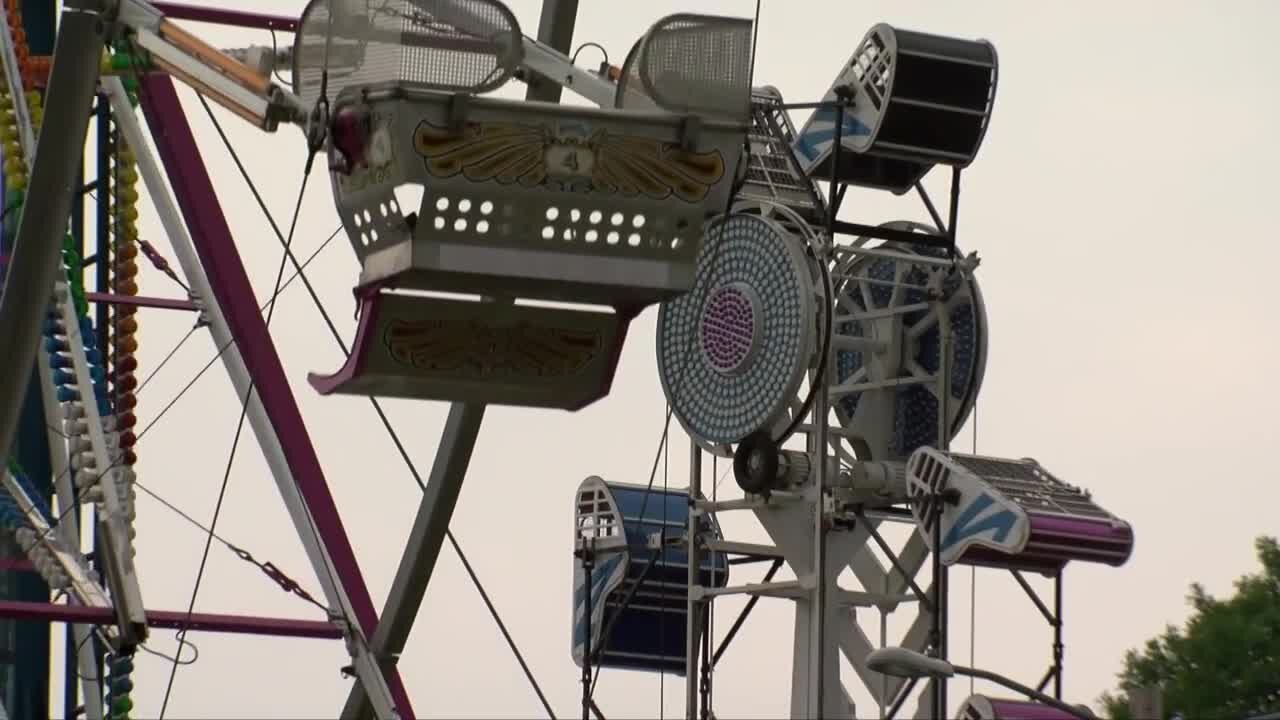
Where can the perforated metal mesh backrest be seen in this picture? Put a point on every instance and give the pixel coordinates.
(693, 64)
(446, 45)
(629, 84)
(699, 64)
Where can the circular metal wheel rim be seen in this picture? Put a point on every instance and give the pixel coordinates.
(970, 398)
(789, 221)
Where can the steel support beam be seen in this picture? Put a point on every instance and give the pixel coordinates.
(36, 261)
(222, 16)
(104, 299)
(555, 29)
(174, 620)
(694, 606)
(418, 562)
(219, 276)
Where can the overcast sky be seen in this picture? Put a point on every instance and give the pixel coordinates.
(1119, 206)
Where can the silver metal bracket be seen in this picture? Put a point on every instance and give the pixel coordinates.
(690, 129)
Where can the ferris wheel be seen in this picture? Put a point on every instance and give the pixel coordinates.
(831, 361)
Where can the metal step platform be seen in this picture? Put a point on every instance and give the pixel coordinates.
(427, 348)
(624, 527)
(773, 171)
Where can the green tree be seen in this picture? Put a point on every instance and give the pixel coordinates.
(1225, 664)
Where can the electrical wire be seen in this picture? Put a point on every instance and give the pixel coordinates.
(275, 53)
(75, 667)
(395, 438)
(240, 427)
(235, 443)
(574, 59)
(279, 287)
(83, 492)
(653, 474)
(288, 255)
(711, 606)
(168, 357)
(227, 345)
(819, 375)
(678, 384)
(973, 576)
(382, 416)
(185, 516)
(662, 589)
(90, 635)
(176, 659)
(680, 376)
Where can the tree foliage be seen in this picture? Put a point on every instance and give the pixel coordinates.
(1225, 663)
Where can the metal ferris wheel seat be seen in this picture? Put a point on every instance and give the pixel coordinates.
(639, 590)
(512, 203)
(915, 100)
(1010, 514)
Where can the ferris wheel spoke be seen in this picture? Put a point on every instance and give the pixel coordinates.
(899, 275)
(848, 303)
(867, 299)
(849, 385)
(923, 325)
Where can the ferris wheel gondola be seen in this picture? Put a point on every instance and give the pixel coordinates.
(510, 205)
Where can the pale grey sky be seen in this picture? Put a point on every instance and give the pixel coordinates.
(1118, 205)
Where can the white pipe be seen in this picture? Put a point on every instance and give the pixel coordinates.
(70, 529)
(366, 667)
(108, 475)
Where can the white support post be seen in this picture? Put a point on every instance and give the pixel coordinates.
(819, 644)
(692, 605)
(366, 665)
(70, 529)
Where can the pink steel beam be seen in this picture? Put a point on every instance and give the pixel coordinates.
(16, 565)
(140, 301)
(234, 294)
(220, 16)
(173, 620)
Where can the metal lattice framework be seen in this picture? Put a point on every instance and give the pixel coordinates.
(687, 186)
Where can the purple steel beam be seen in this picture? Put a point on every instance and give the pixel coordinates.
(217, 250)
(140, 301)
(16, 565)
(221, 16)
(173, 620)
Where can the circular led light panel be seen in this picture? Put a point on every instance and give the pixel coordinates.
(732, 351)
